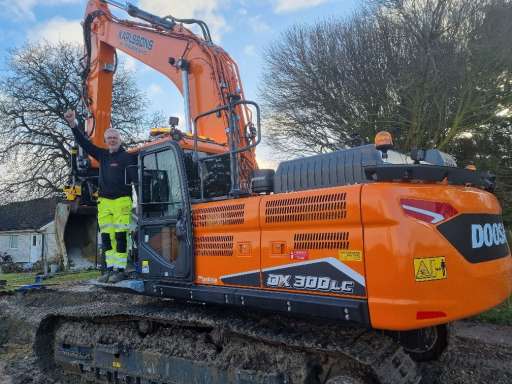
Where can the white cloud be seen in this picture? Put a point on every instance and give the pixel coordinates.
(265, 163)
(282, 6)
(24, 9)
(250, 50)
(128, 62)
(132, 64)
(56, 30)
(154, 89)
(206, 10)
(258, 25)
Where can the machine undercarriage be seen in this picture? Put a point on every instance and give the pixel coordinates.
(172, 342)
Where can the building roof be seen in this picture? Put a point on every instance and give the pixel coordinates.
(32, 214)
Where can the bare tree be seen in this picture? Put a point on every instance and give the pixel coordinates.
(426, 70)
(41, 82)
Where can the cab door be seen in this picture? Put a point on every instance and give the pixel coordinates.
(165, 239)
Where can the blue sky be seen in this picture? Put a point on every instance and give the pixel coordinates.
(244, 28)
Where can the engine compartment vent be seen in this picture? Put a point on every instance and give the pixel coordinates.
(220, 215)
(214, 245)
(307, 208)
(329, 240)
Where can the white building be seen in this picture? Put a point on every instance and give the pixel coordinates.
(27, 230)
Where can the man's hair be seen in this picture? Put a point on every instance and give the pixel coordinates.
(113, 130)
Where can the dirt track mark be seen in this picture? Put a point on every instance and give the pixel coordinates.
(485, 333)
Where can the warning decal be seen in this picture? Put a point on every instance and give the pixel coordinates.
(431, 268)
(145, 266)
(350, 255)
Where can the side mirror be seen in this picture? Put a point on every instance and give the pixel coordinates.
(174, 121)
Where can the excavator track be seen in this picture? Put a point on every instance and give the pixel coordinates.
(169, 342)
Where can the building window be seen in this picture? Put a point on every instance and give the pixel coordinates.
(13, 241)
(34, 241)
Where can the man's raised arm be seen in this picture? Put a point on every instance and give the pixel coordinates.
(80, 138)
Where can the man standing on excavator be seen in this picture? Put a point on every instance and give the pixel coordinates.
(115, 196)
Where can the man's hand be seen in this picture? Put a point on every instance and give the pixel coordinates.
(70, 117)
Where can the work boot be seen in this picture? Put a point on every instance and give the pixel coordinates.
(117, 277)
(105, 277)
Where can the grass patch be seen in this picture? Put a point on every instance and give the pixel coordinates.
(14, 280)
(501, 315)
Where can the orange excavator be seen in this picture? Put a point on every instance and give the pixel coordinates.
(323, 271)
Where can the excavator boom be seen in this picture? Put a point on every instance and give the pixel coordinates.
(204, 73)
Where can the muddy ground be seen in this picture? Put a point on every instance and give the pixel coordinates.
(477, 354)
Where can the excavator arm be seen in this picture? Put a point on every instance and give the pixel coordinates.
(204, 73)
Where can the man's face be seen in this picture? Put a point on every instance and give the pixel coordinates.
(113, 140)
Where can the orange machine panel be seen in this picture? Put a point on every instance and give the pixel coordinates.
(425, 247)
(226, 241)
(312, 242)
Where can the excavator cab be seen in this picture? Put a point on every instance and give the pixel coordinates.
(164, 224)
(170, 179)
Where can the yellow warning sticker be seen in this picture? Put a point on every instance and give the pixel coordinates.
(344, 255)
(430, 268)
(116, 364)
(145, 266)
